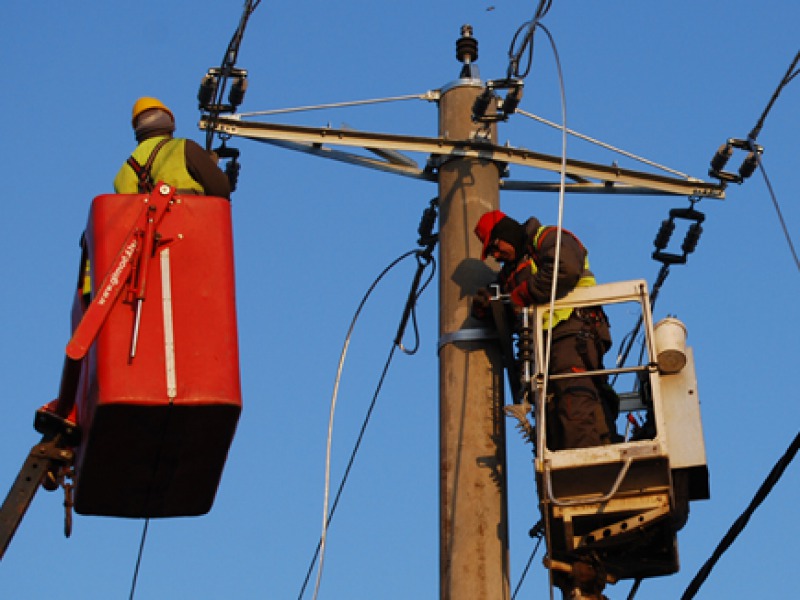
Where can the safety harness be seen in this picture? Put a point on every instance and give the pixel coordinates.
(143, 173)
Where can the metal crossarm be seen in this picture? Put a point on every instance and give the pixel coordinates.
(609, 179)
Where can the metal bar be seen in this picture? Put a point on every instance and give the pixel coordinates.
(585, 499)
(464, 149)
(353, 159)
(169, 337)
(48, 451)
(20, 496)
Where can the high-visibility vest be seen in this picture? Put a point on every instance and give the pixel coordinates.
(169, 166)
(587, 277)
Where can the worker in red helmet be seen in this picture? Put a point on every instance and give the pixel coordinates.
(179, 162)
(580, 415)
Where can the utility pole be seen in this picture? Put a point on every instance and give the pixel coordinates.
(473, 508)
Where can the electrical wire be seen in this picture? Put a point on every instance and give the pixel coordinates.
(156, 463)
(139, 558)
(319, 553)
(777, 207)
(791, 73)
(538, 529)
(526, 45)
(597, 142)
(784, 82)
(560, 222)
(226, 65)
(740, 523)
(429, 96)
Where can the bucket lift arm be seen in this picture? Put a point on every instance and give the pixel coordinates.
(46, 464)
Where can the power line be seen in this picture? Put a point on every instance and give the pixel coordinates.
(777, 207)
(790, 74)
(603, 144)
(740, 523)
(429, 95)
(415, 293)
(139, 558)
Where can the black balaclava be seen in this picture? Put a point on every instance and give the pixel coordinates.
(509, 230)
(153, 122)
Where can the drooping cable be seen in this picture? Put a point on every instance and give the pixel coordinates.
(560, 222)
(165, 426)
(634, 589)
(740, 523)
(790, 74)
(424, 257)
(427, 241)
(139, 558)
(326, 514)
(777, 207)
(538, 533)
(526, 31)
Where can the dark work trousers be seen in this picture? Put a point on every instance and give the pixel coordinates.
(575, 417)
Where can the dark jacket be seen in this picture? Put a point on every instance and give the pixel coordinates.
(540, 249)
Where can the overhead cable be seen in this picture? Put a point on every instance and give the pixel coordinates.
(525, 35)
(603, 144)
(139, 558)
(536, 532)
(429, 95)
(786, 233)
(740, 523)
(327, 514)
(790, 74)
(427, 242)
(227, 67)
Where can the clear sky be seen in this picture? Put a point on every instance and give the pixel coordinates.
(668, 81)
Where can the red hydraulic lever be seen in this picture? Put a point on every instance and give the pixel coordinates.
(132, 259)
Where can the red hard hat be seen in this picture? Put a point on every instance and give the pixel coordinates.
(484, 228)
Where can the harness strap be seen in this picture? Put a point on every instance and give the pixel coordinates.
(143, 171)
(547, 230)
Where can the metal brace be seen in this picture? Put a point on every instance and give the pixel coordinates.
(470, 334)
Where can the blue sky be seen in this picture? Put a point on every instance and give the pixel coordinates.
(668, 81)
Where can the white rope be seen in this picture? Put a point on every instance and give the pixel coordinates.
(560, 222)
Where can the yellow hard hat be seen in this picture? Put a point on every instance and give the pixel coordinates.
(146, 103)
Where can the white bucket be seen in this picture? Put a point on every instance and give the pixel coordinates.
(670, 341)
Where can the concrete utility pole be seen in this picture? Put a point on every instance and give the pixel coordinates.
(473, 508)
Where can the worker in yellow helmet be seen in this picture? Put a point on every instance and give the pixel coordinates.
(178, 162)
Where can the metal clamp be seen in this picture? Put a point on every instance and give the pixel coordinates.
(472, 334)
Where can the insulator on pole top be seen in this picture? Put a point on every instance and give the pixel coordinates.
(466, 46)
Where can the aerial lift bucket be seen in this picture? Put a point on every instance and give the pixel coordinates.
(158, 394)
(623, 503)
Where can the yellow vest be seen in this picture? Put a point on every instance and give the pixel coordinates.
(587, 280)
(169, 166)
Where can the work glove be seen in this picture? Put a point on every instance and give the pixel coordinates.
(521, 295)
(481, 303)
